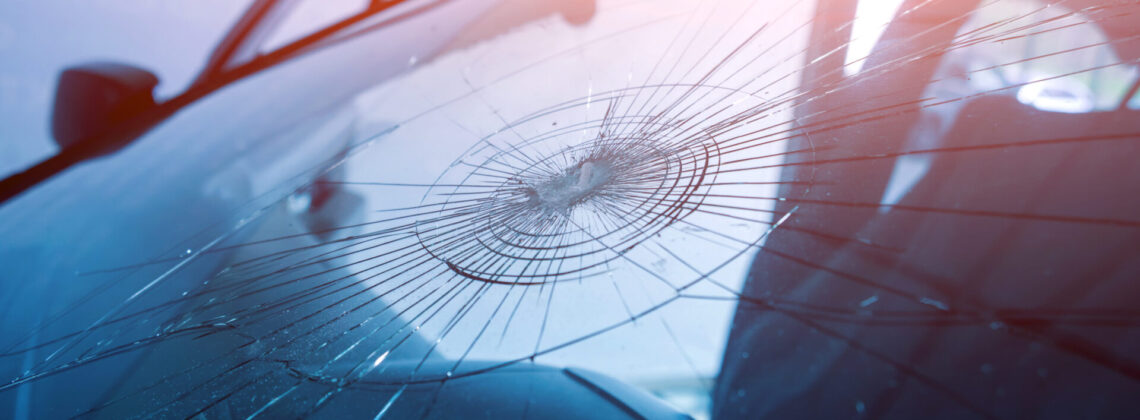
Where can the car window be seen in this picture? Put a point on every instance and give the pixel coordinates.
(39, 40)
(1073, 66)
(720, 209)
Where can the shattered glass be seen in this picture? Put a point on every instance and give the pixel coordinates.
(746, 208)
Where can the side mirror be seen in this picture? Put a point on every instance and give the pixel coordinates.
(92, 99)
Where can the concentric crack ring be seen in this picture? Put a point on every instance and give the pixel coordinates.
(566, 202)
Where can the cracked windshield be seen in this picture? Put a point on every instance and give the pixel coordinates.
(570, 209)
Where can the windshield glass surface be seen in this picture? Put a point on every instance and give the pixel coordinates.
(771, 209)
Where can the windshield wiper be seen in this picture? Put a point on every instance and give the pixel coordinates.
(86, 125)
